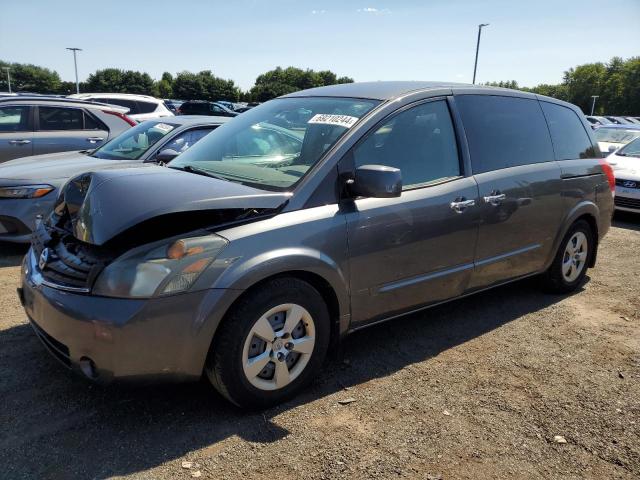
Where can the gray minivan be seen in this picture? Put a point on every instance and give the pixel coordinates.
(255, 251)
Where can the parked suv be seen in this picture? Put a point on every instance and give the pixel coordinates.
(141, 107)
(201, 107)
(401, 195)
(39, 124)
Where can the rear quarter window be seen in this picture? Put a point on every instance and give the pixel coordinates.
(504, 132)
(146, 107)
(570, 140)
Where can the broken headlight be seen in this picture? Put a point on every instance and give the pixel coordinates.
(161, 268)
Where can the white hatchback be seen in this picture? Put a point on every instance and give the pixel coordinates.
(626, 168)
(141, 107)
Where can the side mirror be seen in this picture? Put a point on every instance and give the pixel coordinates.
(378, 181)
(166, 155)
(612, 149)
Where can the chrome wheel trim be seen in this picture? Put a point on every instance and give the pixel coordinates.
(575, 257)
(278, 344)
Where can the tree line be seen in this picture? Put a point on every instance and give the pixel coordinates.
(616, 83)
(184, 85)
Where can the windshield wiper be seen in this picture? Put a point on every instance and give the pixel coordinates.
(200, 171)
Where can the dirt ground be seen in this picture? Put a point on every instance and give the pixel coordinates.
(474, 389)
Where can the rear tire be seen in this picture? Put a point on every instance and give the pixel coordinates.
(271, 344)
(570, 264)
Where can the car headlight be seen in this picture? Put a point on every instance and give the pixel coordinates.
(25, 191)
(161, 268)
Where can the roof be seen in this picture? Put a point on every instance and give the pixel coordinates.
(60, 100)
(376, 90)
(193, 120)
(114, 95)
(627, 126)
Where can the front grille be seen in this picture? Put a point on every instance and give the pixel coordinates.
(70, 263)
(620, 182)
(627, 202)
(56, 348)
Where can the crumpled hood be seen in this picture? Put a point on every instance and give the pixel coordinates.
(50, 167)
(105, 203)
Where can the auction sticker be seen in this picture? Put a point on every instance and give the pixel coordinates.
(163, 127)
(345, 121)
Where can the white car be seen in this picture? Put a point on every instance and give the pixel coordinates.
(626, 168)
(141, 107)
(612, 137)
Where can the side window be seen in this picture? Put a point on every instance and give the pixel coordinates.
(504, 132)
(91, 123)
(186, 140)
(216, 109)
(420, 142)
(14, 119)
(56, 118)
(146, 107)
(130, 104)
(570, 140)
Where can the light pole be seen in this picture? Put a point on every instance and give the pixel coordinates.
(475, 66)
(593, 103)
(75, 64)
(8, 77)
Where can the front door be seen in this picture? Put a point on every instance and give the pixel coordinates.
(16, 135)
(418, 248)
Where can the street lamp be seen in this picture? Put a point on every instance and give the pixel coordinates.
(593, 103)
(75, 64)
(475, 66)
(8, 77)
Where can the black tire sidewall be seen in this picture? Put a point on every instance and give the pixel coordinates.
(555, 278)
(226, 356)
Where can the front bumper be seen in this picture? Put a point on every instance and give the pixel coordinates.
(18, 216)
(162, 338)
(627, 199)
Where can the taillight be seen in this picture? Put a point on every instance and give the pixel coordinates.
(608, 171)
(122, 116)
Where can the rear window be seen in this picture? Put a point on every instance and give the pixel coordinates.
(130, 104)
(570, 139)
(504, 132)
(616, 135)
(146, 107)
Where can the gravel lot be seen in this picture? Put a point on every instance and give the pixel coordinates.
(475, 389)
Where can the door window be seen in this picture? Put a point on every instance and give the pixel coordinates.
(504, 131)
(186, 140)
(570, 140)
(420, 142)
(14, 119)
(56, 118)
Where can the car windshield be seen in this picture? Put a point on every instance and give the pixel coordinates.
(631, 149)
(274, 145)
(616, 135)
(133, 143)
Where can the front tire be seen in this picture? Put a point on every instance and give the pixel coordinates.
(570, 264)
(271, 344)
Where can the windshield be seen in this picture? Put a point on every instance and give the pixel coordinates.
(274, 145)
(616, 135)
(631, 149)
(133, 143)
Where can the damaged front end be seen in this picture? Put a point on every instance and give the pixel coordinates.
(93, 242)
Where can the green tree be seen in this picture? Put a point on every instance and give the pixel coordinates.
(29, 78)
(114, 80)
(204, 86)
(281, 81)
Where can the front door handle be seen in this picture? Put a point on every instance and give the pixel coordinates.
(495, 198)
(95, 139)
(19, 142)
(459, 205)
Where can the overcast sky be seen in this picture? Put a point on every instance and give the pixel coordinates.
(529, 41)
